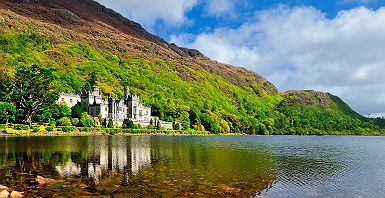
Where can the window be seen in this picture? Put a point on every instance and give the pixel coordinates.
(71, 101)
(62, 99)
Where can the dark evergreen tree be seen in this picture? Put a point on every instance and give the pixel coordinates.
(33, 90)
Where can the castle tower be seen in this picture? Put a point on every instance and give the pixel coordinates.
(126, 93)
(95, 91)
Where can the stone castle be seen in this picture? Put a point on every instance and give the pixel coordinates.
(118, 111)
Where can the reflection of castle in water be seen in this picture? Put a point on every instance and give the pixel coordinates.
(127, 155)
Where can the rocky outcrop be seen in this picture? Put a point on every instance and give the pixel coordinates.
(307, 97)
(16, 194)
(4, 194)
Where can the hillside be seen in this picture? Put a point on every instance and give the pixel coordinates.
(80, 39)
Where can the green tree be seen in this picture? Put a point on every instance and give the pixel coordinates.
(225, 126)
(75, 121)
(33, 90)
(6, 82)
(101, 119)
(209, 123)
(110, 123)
(194, 115)
(87, 120)
(7, 112)
(76, 111)
(186, 123)
(64, 121)
(60, 110)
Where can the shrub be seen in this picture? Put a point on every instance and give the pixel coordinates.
(52, 122)
(64, 121)
(49, 128)
(67, 129)
(21, 127)
(86, 120)
(35, 129)
(11, 126)
(110, 123)
(75, 121)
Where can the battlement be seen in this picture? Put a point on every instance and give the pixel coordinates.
(134, 97)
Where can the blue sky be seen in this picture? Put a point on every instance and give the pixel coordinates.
(201, 21)
(331, 46)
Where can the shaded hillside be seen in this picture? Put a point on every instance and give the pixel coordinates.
(80, 39)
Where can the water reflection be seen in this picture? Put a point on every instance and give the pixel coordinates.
(132, 166)
(127, 155)
(151, 166)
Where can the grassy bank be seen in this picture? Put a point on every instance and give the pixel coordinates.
(42, 130)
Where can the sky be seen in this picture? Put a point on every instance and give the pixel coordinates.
(335, 46)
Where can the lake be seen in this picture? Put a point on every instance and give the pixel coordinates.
(206, 166)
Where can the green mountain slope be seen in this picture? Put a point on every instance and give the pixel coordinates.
(184, 87)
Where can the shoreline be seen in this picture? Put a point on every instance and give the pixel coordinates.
(74, 134)
(81, 134)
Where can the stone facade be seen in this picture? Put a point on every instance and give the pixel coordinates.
(70, 99)
(128, 108)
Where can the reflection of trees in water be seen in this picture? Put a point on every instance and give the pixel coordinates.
(147, 165)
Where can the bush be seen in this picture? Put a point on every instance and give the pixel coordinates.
(110, 123)
(87, 120)
(35, 129)
(49, 128)
(21, 127)
(67, 129)
(75, 121)
(11, 126)
(52, 122)
(64, 121)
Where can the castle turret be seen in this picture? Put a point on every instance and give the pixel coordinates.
(126, 93)
(95, 91)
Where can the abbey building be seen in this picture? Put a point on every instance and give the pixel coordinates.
(118, 111)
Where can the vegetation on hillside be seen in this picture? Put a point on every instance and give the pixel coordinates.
(204, 102)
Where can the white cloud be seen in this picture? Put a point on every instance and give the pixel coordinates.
(299, 48)
(219, 8)
(147, 12)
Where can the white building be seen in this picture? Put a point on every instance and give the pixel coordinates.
(93, 103)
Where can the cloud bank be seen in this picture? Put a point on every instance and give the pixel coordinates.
(299, 48)
(148, 12)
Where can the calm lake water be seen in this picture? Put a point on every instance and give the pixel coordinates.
(213, 166)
